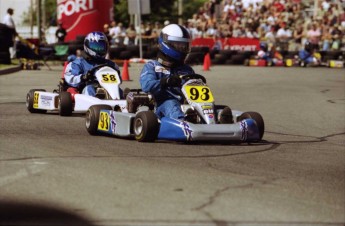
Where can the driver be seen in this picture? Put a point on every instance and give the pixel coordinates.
(161, 77)
(95, 50)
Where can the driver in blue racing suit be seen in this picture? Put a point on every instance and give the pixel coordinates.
(161, 77)
(96, 48)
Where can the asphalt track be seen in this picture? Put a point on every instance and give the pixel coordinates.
(53, 172)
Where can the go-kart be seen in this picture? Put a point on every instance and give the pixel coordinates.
(66, 100)
(207, 121)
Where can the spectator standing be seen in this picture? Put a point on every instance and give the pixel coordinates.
(148, 30)
(298, 35)
(283, 37)
(326, 38)
(106, 31)
(314, 36)
(131, 35)
(156, 30)
(336, 34)
(60, 33)
(118, 34)
(211, 31)
(9, 22)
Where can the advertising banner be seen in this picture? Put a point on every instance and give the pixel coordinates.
(79, 17)
(239, 44)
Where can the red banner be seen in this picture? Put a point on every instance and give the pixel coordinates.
(240, 44)
(79, 17)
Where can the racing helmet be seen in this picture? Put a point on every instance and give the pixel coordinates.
(308, 46)
(263, 46)
(96, 45)
(174, 43)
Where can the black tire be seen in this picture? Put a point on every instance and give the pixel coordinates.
(238, 59)
(92, 117)
(30, 101)
(125, 55)
(146, 126)
(5, 57)
(65, 104)
(257, 118)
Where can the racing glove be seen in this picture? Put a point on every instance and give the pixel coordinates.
(87, 76)
(172, 81)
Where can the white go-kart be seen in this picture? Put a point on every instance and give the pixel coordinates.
(106, 81)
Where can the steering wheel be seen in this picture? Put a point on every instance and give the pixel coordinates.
(95, 68)
(91, 72)
(193, 76)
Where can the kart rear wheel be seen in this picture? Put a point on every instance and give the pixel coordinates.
(65, 104)
(30, 96)
(257, 118)
(92, 117)
(146, 126)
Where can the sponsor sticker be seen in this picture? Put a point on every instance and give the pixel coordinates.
(162, 70)
(187, 130)
(208, 111)
(113, 122)
(244, 129)
(46, 100)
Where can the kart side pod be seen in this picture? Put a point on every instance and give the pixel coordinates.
(245, 131)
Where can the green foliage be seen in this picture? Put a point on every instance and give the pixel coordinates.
(160, 10)
(50, 8)
(51, 12)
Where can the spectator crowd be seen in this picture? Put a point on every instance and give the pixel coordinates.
(284, 24)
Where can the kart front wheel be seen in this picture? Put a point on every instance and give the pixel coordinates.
(31, 99)
(65, 104)
(257, 118)
(146, 126)
(92, 117)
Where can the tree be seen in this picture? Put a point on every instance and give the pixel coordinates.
(50, 13)
(160, 10)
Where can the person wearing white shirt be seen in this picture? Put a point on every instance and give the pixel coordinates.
(9, 22)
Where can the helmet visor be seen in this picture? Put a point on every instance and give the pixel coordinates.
(100, 48)
(182, 47)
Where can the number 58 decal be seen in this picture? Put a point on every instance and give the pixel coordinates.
(108, 78)
(199, 94)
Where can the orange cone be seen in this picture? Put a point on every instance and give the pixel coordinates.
(207, 62)
(125, 74)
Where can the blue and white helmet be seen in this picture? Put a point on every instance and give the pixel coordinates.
(96, 45)
(174, 42)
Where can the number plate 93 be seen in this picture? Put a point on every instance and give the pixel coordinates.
(199, 94)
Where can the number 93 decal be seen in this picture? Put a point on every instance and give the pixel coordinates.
(104, 121)
(201, 94)
(108, 78)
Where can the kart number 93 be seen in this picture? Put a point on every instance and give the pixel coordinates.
(200, 94)
(104, 121)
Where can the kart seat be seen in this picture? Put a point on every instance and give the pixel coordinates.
(136, 99)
